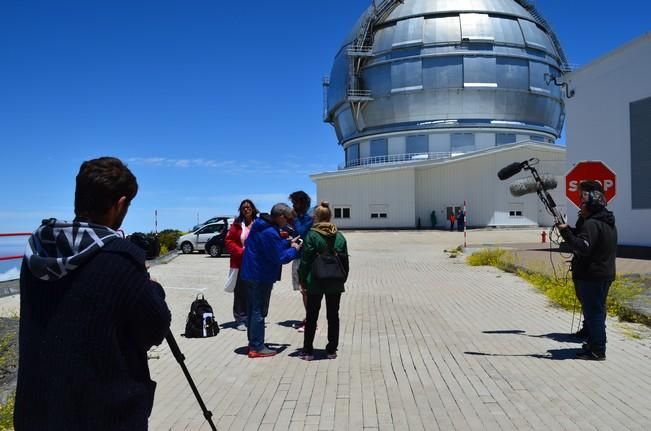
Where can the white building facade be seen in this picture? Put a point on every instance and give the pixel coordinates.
(609, 119)
(404, 195)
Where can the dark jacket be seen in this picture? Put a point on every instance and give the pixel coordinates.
(84, 336)
(265, 252)
(317, 241)
(594, 244)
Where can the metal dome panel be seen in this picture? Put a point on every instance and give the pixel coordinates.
(465, 63)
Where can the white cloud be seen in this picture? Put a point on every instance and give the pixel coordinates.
(12, 274)
(232, 167)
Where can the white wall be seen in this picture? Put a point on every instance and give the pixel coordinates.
(488, 199)
(363, 191)
(413, 191)
(598, 127)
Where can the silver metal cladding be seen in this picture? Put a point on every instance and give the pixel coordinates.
(441, 65)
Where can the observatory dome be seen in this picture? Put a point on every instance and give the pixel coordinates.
(444, 77)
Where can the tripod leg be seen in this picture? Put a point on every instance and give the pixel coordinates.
(180, 359)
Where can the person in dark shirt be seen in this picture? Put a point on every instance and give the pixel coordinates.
(594, 244)
(88, 315)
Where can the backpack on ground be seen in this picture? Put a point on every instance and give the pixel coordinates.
(201, 321)
(327, 268)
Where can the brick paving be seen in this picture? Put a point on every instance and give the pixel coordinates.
(427, 343)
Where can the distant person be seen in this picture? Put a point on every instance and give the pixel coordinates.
(594, 244)
(322, 238)
(235, 244)
(452, 219)
(461, 220)
(265, 253)
(88, 314)
(301, 224)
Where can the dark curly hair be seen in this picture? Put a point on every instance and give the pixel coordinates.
(302, 197)
(100, 183)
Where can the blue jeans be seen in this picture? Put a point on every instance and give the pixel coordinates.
(258, 295)
(592, 295)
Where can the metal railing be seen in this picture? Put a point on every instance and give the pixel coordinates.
(394, 158)
(4, 235)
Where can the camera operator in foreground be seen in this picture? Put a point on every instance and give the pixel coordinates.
(88, 314)
(594, 244)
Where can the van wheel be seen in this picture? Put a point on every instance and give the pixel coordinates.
(215, 250)
(186, 248)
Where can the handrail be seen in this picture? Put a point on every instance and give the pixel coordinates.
(394, 158)
(12, 234)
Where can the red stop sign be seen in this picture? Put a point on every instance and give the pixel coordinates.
(589, 170)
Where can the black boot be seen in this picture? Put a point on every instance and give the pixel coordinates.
(581, 333)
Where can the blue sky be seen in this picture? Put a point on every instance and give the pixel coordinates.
(207, 101)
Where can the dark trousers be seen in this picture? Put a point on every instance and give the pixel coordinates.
(593, 295)
(258, 298)
(332, 312)
(240, 304)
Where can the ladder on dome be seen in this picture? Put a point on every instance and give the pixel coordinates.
(360, 50)
(531, 8)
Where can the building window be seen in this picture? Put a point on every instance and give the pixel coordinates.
(342, 212)
(504, 139)
(462, 142)
(378, 211)
(379, 149)
(516, 210)
(352, 155)
(537, 138)
(417, 144)
(640, 120)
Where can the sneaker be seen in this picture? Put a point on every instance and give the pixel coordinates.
(589, 355)
(299, 324)
(241, 326)
(332, 355)
(302, 328)
(262, 353)
(304, 356)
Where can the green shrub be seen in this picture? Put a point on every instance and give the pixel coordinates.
(7, 413)
(168, 238)
(496, 257)
(561, 290)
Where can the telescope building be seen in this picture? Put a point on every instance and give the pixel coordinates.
(429, 99)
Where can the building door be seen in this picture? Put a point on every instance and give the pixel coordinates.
(449, 211)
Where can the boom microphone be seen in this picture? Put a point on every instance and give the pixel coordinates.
(512, 169)
(530, 185)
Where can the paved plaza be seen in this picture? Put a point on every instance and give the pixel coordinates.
(427, 343)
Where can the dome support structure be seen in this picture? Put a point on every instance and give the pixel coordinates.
(359, 52)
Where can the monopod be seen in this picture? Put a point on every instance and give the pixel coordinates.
(180, 358)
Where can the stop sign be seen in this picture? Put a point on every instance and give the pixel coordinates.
(589, 170)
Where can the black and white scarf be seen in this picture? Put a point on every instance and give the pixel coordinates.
(58, 247)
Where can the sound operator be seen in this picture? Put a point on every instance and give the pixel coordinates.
(594, 244)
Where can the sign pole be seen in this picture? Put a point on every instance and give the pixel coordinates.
(465, 223)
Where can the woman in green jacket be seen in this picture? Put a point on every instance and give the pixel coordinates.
(322, 237)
